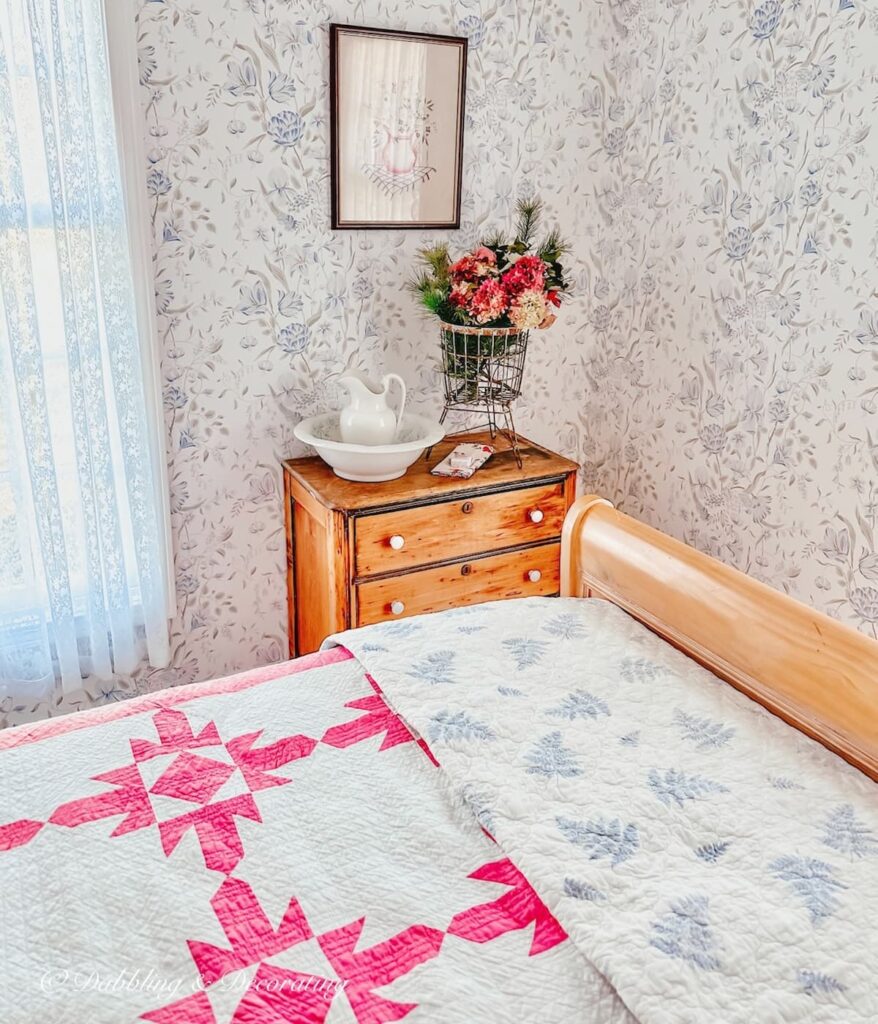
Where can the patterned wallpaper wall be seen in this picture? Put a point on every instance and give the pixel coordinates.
(731, 163)
(716, 372)
(262, 306)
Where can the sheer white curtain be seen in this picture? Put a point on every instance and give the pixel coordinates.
(84, 552)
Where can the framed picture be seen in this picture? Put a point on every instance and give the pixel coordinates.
(396, 128)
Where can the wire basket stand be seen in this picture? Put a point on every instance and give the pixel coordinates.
(482, 369)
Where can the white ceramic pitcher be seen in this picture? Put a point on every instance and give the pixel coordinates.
(367, 418)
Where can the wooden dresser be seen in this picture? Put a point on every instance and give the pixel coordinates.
(362, 553)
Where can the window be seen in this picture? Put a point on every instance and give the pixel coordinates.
(84, 553)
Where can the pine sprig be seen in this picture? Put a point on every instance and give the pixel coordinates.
(438, 260)
(529, 213)
(553, 247)
(432, 284)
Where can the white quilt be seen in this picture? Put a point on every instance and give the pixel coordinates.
(715, 864)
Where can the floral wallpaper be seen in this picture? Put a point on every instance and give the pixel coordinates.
(731, 372)
(715, 371)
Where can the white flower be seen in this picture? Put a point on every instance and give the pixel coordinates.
(528, 310)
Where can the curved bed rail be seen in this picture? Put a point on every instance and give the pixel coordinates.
(818, 674)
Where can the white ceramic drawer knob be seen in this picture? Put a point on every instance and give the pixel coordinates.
(397, 542)
(535, 575)
(397, 607)
(536, 515)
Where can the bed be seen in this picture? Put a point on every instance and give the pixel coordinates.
(591, 808)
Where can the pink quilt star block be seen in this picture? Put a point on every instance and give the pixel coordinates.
(193, 778)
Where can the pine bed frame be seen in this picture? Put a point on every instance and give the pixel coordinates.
(817, 674)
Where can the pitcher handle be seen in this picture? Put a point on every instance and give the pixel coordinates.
(391, 377)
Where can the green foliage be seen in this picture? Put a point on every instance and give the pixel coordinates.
(432, 284)
(553, 247)
(438, 260)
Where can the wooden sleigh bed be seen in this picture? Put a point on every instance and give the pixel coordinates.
(817, 674)
(524, 811)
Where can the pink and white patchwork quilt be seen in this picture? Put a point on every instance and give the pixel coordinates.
(275, 847)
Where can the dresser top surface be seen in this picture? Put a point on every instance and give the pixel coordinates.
(418, 484)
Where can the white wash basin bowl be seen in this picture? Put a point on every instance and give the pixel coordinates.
(365, 462)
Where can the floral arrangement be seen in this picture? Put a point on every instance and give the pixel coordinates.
(501, 283)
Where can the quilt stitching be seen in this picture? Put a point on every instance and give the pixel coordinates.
(253, 940)
(196, 778)
(194, 774)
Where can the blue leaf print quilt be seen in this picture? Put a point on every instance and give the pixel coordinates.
(712, 862)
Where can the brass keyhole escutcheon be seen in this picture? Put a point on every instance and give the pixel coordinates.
(467, 507)
(465, 570)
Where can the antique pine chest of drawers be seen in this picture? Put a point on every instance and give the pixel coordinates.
(360, 553)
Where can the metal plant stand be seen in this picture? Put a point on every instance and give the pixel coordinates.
(482, 369)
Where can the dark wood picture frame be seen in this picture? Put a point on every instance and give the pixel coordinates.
(338, 223)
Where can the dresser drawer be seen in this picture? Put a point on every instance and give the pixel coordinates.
(531, 573)
(391, 541)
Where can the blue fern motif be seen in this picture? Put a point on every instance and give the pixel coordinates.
(677, 787)
(447, 726)
(470, 629)
(711, 852)
(702, 731)
(463, 611)
(812, 881)
(526, 652)
(550, 758)
(783, 782)
(580, 704)
(685, 934)
(582, 891)
(373, 648)
(631, 739)
(639, 670)
(845, 833)
(510, 691)
(601, 838)
(565, 627)
(813, 982)
(437, 667)
(400, 630)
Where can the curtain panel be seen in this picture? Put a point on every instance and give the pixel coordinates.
(84, 560)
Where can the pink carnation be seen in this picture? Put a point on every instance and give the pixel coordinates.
(489, 302)
(460, 294)
(474, 265)
(528, 273)
(463, 269)
(485, 255)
